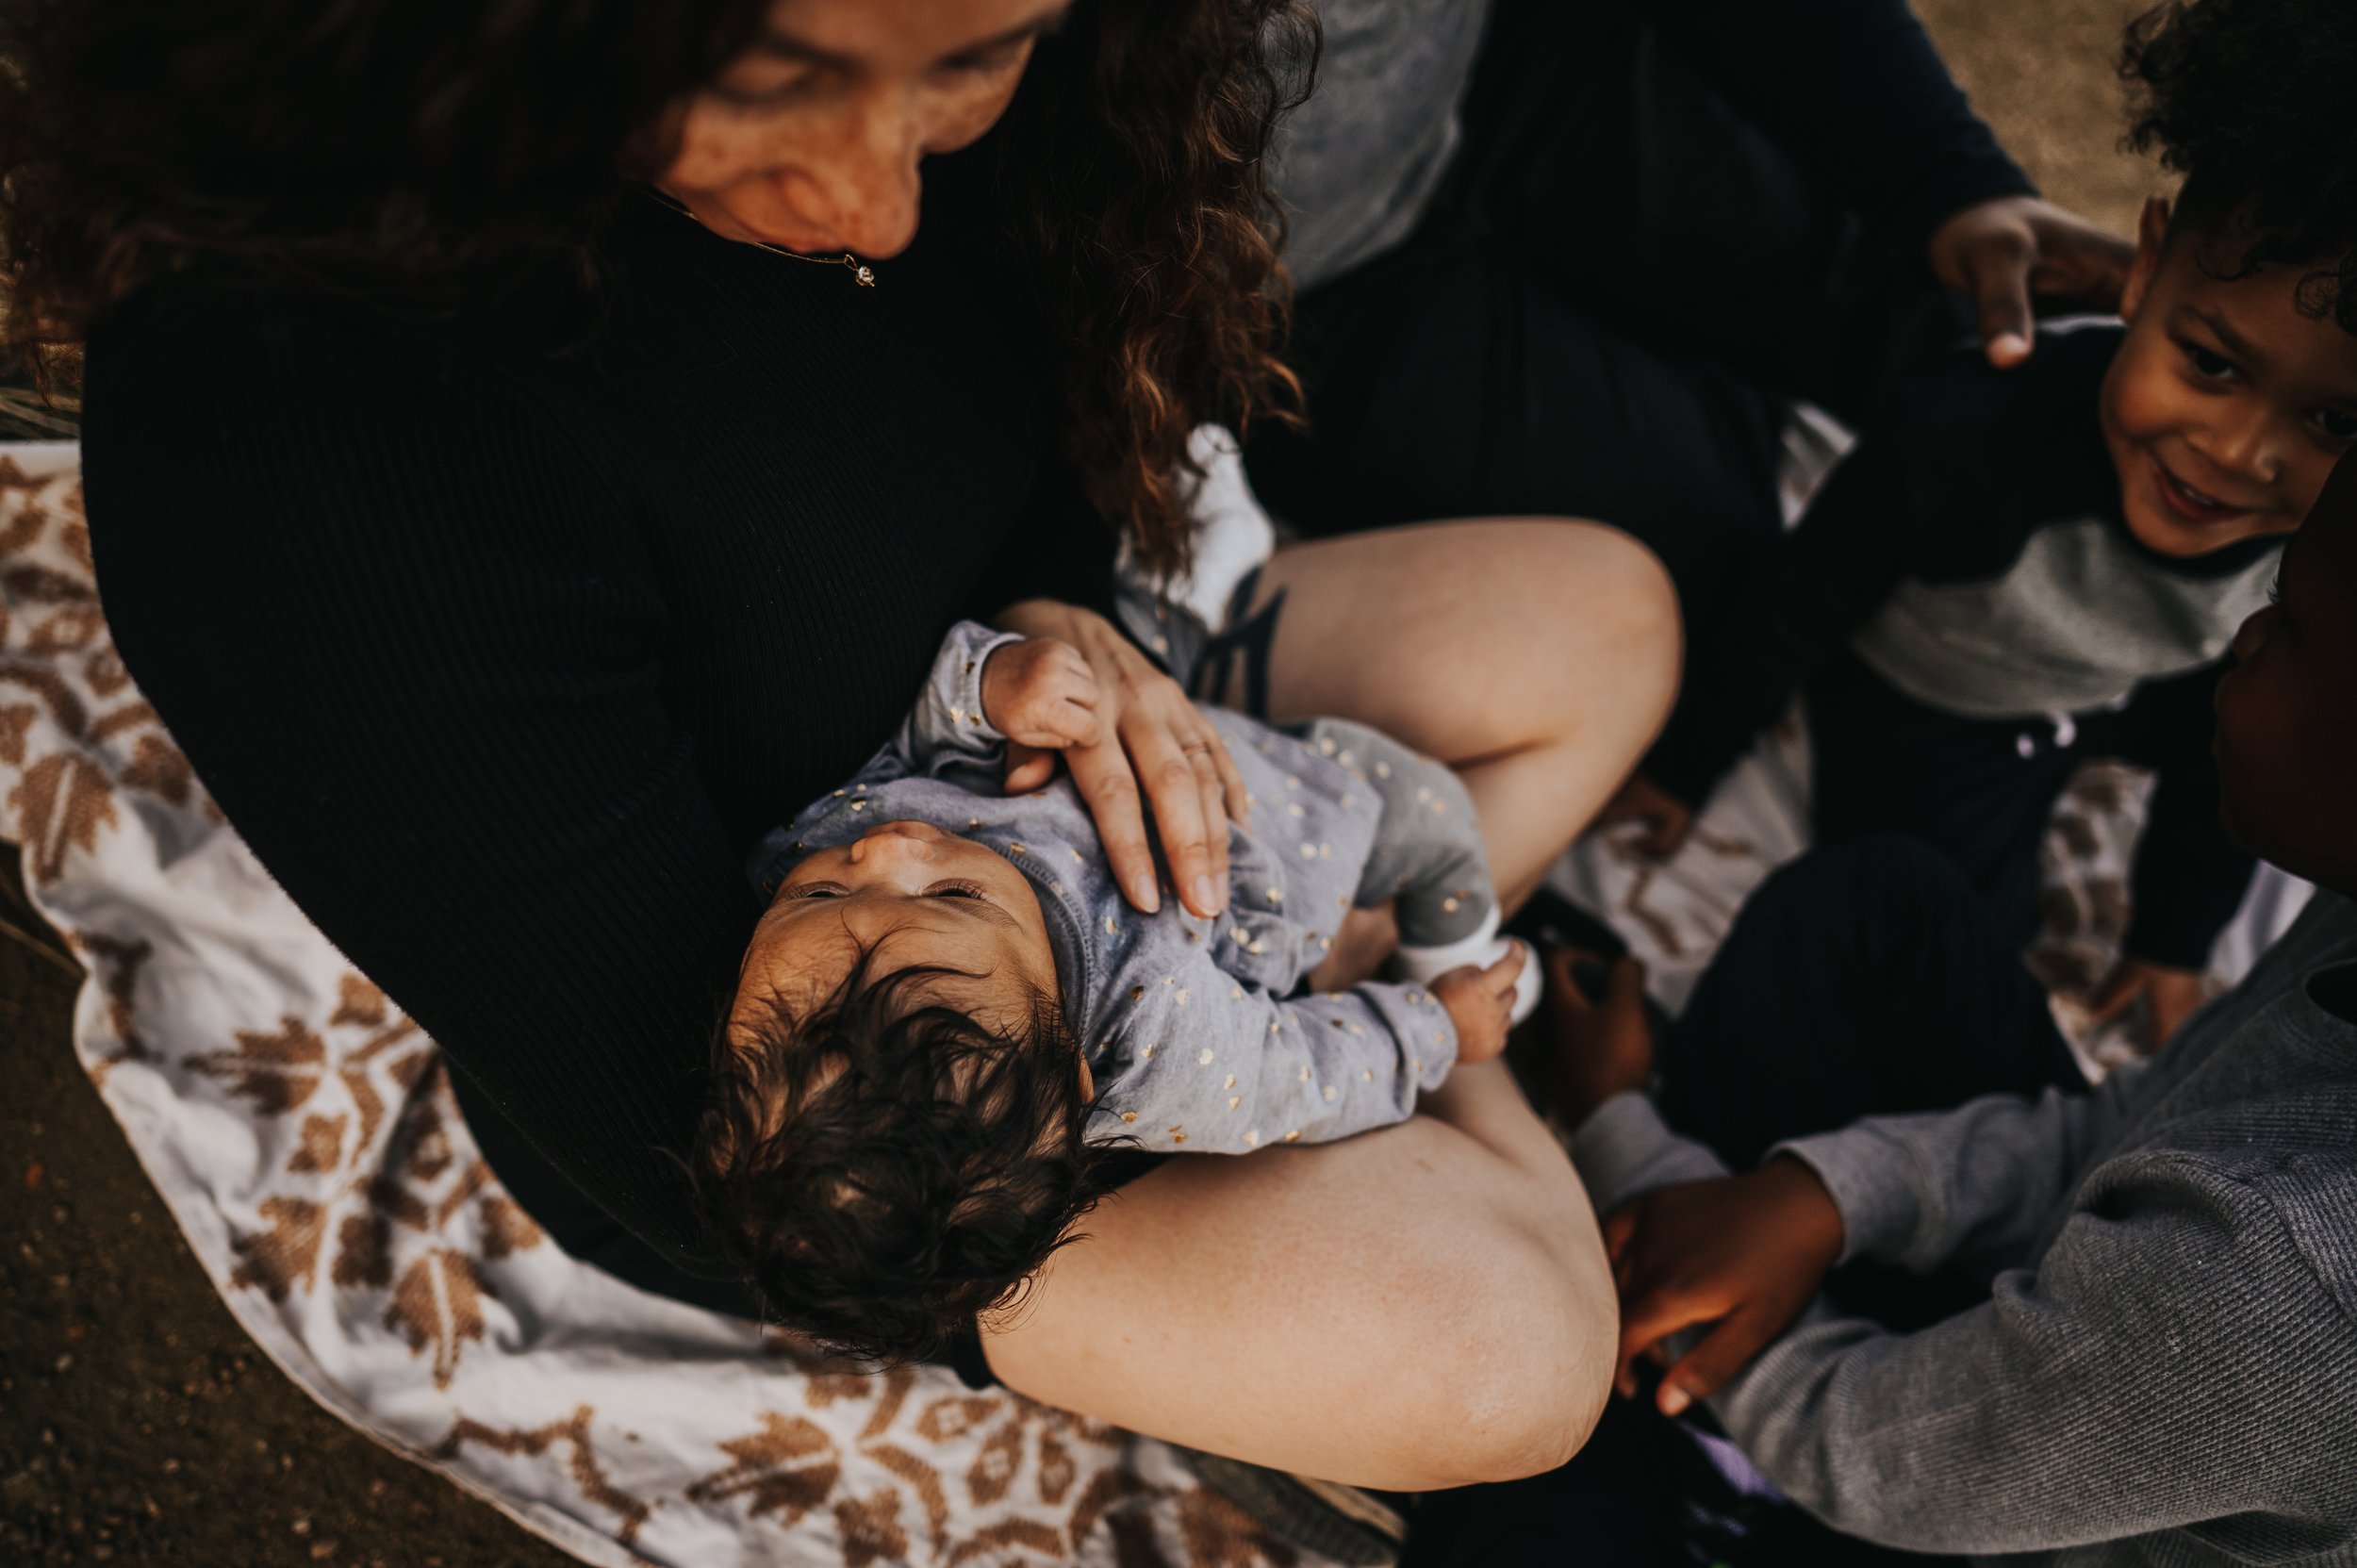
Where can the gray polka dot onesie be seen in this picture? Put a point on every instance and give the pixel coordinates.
(1197, 1031)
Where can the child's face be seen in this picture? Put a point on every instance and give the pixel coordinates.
(2287, 744)
(2227, 406)
(911, 895)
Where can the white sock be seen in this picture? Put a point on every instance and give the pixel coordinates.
(1483, 947)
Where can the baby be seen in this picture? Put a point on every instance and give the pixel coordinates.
(948, 1010)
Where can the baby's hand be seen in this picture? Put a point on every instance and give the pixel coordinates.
(1040, 692)
(1480, 1003)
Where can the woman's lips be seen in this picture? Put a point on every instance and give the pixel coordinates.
(2193, 506)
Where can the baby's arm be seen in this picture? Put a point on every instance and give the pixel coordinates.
(988, 687)
(1213, 1064)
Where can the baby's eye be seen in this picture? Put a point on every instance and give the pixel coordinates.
(2214, 366)
(2338, 424)
(955, 890)
(815, 890)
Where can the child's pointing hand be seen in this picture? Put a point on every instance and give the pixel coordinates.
(1040, 692)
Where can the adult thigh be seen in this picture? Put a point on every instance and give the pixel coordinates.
(1537, 656)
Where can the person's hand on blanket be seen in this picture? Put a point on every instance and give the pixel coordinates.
(1745, 1253)
(2161, 996)
(1641, 799)
(1153, 747)
(1999, 252)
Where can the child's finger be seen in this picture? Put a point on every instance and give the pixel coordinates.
(1651, 1316)
(1705, 1369)
(1028, 768)
(1624, 985)
(1561, 963)
(1620, 1228)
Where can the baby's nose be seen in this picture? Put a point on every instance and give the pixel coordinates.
(887, 843)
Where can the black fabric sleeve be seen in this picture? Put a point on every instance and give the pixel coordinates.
(415, 657)
(1854, 90)
(1813, 588)
(2189, 876)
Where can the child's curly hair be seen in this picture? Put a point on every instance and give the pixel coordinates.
(882, 1167)
(2251, 101)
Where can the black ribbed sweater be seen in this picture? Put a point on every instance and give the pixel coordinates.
(499, 660)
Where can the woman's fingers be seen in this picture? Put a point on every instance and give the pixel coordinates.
(1231, 778)
(1215, 795)
(1102, 774)
(1168, 778)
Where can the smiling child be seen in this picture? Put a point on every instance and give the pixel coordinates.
(2016, 570)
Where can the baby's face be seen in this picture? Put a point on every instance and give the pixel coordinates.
(911, 895)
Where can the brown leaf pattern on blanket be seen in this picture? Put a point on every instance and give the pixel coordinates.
(577, 1436)
(371, 1188)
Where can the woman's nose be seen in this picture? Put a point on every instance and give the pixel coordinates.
(867, 193)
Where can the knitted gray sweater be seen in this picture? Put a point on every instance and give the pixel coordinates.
(2165, 1371)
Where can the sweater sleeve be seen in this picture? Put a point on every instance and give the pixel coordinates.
(1969, 1185)
(433, 709)
(1811, 591)
(1856, 91)
(948, 726)
(2167, 1365)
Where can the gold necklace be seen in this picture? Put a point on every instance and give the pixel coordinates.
(861, 273)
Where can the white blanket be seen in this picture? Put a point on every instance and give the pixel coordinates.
(302, 1134)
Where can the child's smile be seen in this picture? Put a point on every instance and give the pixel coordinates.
(2228, 401)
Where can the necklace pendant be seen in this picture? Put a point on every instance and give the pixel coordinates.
(864, 274)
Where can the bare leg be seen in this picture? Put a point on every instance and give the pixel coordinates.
(1537, 657)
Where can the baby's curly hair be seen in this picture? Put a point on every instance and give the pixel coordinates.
(2250, 100)
(883, 1167)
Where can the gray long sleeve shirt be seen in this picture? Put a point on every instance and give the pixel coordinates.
(2165, 1372)
(1191, 1030)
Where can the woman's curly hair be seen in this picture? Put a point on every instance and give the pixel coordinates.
(884, 1168)
(461, 154)
(2250, 100)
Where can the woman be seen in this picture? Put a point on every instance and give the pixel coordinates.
(531, 449)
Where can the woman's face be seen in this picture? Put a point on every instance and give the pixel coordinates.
(811, 138)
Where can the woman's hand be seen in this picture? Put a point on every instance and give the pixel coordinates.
(1998, 253)
(2169, 996)
(1744, 1252)
(1602, 1046)
(1152, 744)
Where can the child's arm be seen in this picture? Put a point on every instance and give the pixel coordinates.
(986, 686)
(1812, 589)
(2111, 1392)
(2189, 877)
(1213, 1065)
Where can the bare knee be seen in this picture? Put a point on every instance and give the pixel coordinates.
(1614, 637)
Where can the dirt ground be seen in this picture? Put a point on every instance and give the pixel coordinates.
(139, 1426)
